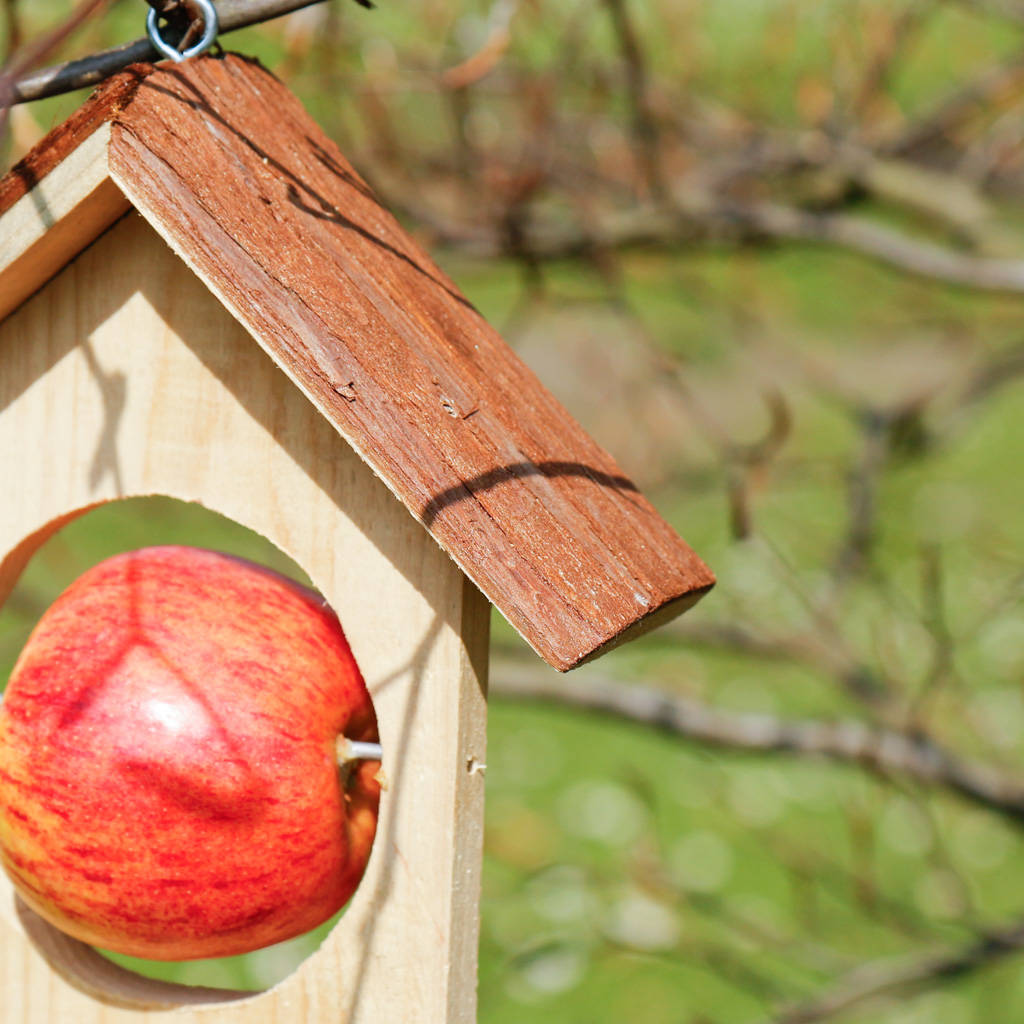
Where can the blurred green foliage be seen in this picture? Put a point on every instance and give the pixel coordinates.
(629, 875)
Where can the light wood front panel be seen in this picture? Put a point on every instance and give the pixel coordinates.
(125, 377)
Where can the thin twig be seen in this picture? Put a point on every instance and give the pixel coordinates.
(184, 16)
(12, 25)
(644, 126)
(822, 651)
(1002, 370)
(86, 71)
(36, 51)
(1008, 9)
(887, 977)
(164, 7)
(863, 480)
(936, 619)
(1001, 83)
(906, 26)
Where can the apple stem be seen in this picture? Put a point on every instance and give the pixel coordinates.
(357, 750)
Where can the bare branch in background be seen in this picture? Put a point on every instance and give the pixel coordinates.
(1012, 10)
(39, 48)
(914, 757)
(822, 652)
(482, 62)
(904, 976)
(709, 218)
(903, 30)
(889, 246)
(933, 593)
(644, 127)
(1001, 84)
(12, 25)
(882, 433)
(994, 376)
(37, 51)
(745, 461)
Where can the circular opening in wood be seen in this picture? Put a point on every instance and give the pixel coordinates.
(216, 817)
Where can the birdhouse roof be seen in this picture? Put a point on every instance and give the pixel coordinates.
(223, 161)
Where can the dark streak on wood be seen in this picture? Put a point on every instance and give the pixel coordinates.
(224, 161)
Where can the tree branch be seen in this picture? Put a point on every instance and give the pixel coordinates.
(885, 977)
(822, 651)
(12, 24)
(38, 48)
(1003, 82)
(86, 71)
(886, 752)
(900, 251)
(748, 223)
(644, 127)
(1008, 9)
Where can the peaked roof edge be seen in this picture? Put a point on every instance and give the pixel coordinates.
(532, 510)
(49, 220)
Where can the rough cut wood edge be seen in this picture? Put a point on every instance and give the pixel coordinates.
(54, 148)
(230, 170)
(60, 216)
(256, 451)
(647, 624)
(59, 197)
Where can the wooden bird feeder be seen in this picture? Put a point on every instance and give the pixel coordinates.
(200, 298)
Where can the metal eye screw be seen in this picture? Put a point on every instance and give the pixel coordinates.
(210, 29)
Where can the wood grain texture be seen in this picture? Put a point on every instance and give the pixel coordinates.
(223, 161)
(192, 409)
(226, 164)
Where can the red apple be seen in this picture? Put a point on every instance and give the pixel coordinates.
(168, 782)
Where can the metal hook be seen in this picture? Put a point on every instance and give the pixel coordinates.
(210, 29)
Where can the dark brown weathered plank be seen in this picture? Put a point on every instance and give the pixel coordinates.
(226, 164)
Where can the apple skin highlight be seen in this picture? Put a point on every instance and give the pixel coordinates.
(168, 782)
